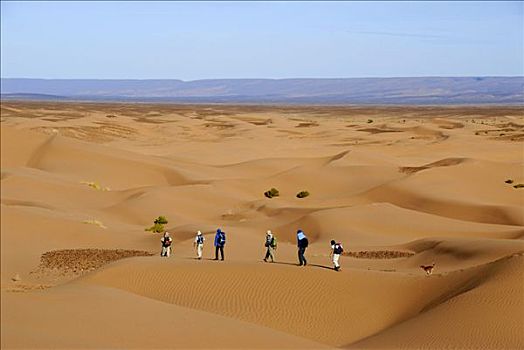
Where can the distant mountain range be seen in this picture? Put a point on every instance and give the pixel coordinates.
(428, 90)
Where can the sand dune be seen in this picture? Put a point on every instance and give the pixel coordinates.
(400, 187)
(357, 224)
(65, 313)
(258, 291)
(483, 322)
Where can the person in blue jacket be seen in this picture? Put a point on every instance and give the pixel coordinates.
(302, 244)
(220, 242)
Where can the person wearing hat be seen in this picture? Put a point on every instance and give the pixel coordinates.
(166, 245)
(271, 245)
(336, 251)
(199, 244)
(220, 242)
(302, 244)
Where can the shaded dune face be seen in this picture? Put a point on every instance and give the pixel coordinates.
(399, 187)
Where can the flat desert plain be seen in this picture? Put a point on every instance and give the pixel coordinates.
(399, 187)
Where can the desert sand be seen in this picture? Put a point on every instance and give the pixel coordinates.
(400, 187)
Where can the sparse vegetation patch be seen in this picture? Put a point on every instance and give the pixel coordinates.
(273, 192)
(158, 225)
(302, 194)
(95, 222)
(95, 185)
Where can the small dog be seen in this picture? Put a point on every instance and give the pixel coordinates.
(428, 268)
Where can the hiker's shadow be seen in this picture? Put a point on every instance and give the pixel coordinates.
(197, 259)
(294, 264)
(322, 266)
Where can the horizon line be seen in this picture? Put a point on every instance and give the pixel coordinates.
(294, 78)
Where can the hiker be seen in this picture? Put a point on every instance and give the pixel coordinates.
(220, 242)
(166, 244)
(302, 244)
(336, 250)
(271, 245)
(199, 244)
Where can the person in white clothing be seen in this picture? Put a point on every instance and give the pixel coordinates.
(166, 245)
(271, 246)
(199, 244)
(336, 250)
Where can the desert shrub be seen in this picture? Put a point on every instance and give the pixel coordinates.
(158, 225)
(158, 228)
(302, 194)
(370, 121)
(273, 192)
(518, 186)
(509, 181)
(95, 185)
(161, 220)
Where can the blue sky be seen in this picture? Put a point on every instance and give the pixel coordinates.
(200, 40)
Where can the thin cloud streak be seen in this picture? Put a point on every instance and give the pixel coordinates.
(400, 35)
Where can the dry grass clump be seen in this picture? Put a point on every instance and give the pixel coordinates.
(95, 222)
(379, 254)
(273, 192)
(95, 185)
(83, 260)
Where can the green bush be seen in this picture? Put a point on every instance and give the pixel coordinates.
(161, 220)
(158, 225)
(302, 194)
(273, 192)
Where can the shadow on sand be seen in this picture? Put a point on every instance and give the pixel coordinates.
(294, 264)
(195, 258)
(269, 263)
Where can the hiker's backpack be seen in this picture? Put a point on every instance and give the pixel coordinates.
(304, 242)
(200, 240)
(222, 238)
(273, 242)
(167, 242)
(338, 249)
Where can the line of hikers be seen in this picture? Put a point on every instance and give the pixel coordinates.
(270, 244)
